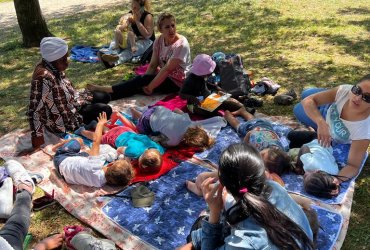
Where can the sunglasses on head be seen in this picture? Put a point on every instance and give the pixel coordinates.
(356, 90)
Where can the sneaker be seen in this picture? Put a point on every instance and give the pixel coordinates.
(6, 197)
(291, 93)
(69, 233)
(283, 99)
(36, 177)
(110, 58)
(85, 241)
(19, 174)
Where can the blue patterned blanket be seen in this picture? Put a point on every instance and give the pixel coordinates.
(166, 224)
(293, 182)
(82, 53)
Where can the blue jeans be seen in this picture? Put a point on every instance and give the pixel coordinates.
(71, 148)
(301, 115)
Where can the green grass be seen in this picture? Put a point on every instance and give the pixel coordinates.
(296, 43)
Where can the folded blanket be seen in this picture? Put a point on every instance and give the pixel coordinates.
(82, 53)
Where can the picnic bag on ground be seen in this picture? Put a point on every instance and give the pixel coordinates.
(233, 80)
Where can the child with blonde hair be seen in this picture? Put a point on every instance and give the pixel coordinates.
(174, 127)
(133, 35)
(122, 33)
(87, 168)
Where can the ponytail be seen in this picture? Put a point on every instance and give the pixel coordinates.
(281, 230)
(242, 172)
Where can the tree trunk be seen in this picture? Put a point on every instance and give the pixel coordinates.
(31, 22)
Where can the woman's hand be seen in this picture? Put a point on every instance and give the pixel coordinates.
(323, 134)
(212, 193)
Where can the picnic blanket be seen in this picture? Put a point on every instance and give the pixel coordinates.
(81, 53)
(166, 224)
(86, 203)
(293, 182)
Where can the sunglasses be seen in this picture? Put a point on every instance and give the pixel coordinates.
(356, 90)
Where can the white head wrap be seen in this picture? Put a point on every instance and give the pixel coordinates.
(53, 48)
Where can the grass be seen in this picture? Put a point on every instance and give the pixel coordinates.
(298, 44)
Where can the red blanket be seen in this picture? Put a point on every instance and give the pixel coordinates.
(172, 157)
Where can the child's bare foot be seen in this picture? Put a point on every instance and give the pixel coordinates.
(192, 187)
(135, 113)
(50, 242)
(228, 115)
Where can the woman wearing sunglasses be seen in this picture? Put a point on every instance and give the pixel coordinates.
(342, 115)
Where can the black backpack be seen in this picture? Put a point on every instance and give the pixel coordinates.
(233, 80)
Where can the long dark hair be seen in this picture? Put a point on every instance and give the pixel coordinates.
(241, 167)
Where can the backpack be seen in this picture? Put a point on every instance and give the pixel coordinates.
(233, 79)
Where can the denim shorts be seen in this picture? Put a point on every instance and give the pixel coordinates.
(71, 148)
(143, 125)
(245, 127)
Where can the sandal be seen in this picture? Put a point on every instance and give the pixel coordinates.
(43, 202)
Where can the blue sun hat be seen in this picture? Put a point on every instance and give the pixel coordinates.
(218, 56)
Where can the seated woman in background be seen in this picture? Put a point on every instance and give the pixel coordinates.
(54, 103)
(133, 36)
(171, 53)
(341, 114)
(263, 215)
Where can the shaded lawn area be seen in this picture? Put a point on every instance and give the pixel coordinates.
(296, 43)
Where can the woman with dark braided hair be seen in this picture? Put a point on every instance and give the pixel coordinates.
(263, 215)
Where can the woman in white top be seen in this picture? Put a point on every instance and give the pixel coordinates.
(347, 119)
(171, 54)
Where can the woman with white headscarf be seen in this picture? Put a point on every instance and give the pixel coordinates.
(54, 103)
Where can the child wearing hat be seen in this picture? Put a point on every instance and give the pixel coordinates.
(195, 87)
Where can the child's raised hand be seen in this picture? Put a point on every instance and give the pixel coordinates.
(102, 118)
(212, 193)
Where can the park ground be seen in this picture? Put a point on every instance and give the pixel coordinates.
(298, 44)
